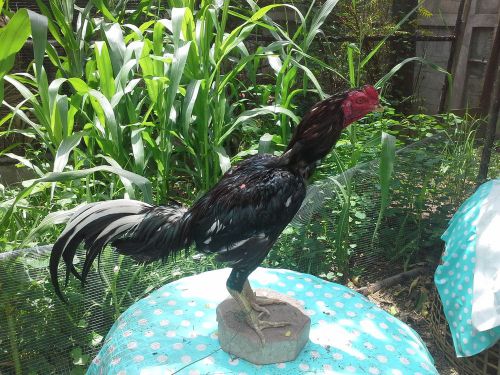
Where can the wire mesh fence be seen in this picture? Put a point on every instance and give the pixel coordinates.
(333, 235)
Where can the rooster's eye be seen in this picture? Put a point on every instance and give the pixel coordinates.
(360, 100)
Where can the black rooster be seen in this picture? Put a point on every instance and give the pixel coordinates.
(240, 218)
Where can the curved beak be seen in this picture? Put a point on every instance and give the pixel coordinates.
(378, 108)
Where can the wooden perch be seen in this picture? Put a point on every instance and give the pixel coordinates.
(390, 281)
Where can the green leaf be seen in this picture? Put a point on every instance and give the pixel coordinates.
(318, 21)
(12, 38)
(104, 67)
(143, 183)
(65, 148)
(382, 42)
(245, 116)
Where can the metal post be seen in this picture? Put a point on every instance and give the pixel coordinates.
(489, 76)
(489, 137)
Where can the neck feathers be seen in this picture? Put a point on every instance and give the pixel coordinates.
(316, 134)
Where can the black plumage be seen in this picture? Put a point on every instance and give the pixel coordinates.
(239, 219)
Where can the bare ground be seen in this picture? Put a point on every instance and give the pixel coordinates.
(409, 302)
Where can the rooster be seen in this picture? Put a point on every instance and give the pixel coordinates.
(239, 219)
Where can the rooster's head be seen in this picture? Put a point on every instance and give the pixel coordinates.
(358, 103)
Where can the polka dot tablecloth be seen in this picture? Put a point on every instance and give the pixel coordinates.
(174, 330)
(455, 276)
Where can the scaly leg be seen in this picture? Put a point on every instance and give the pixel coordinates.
(258, 302)
(248, 302)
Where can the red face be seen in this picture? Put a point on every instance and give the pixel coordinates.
(359, 103)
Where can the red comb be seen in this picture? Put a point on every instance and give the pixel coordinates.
(370, 91)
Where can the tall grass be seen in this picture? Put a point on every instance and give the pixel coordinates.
(157, 100)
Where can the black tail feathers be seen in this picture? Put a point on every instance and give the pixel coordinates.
(134, 228)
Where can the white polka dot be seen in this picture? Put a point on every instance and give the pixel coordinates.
(171, 303)
(310, 312)
(281, 365)
(178, 312)
(194, 372)
(383, 325)
(290, 277)
(308, 279)
(411, 351)
(404, 360)
(170, 334)
(425, 366)
(315, 354)
(207, 325)
(382, 358)
(121, 372)
(396, 372)
(328, 295)
(360, 356)
(166, 294)
(162, 358)
(192, 303)
(371, 316)
(369, 345)
(152, 302)
(158, 312)
(155, 345)
(351, 369)
(299, 286)
(339, 304)
(358, 305)
(374, 370)
(201, 347)
(304, 366)
(281, 284)
(390, 348)
(132, 345)
(337, 356)
(310, 294)
(127, 333)
(352, 314)
(142, 321)
(193, 334)
(290, 293)
(185, 359)
(137, 313)
(199, 314)
(149, 333)
(465, 341)
(208, 361)
(138, 358)
(347, 295)
(185, 323)
(318, 286)
(164, 322)
(234, 361)
(178, 345)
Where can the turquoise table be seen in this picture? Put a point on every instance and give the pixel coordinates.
(174, 330)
